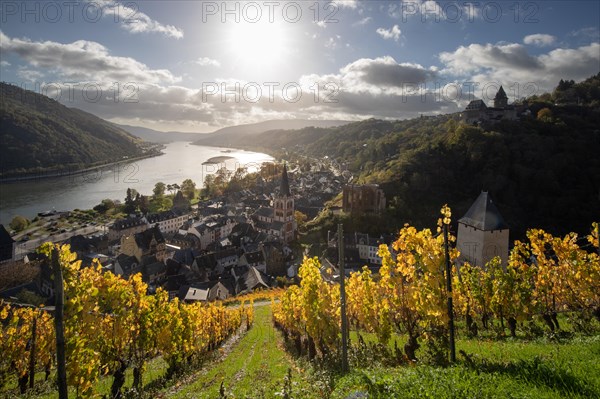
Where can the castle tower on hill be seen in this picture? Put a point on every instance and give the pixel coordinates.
(501, 99)
(478, 112)
(482, 233)
(283, 208)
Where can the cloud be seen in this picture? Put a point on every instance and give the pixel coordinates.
(431, 7)
(590, 32)
(133, 20)
(539, 39)
(361, 89)
(4, 63)
(476, 57)
(379, 87)
(362, 22)
(29, 75)
(321, 24)
(367, 87)
(332, 42)
(205, 61)
(471, 11)
(352, 4)
(151, 103)
(384, 73)
(83, 60)
(428, 9)
(388, 105)
(512, 64)
(387, 34)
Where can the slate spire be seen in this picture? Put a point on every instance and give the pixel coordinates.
(501, 99)
(285, 184)
(484, 215)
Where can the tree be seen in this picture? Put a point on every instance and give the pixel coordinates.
(236, 182)
(180, 202)
(222, 177)
(211, 188)
(105, 205)
(188, 188)
(159, 189)
(129, 201)
(144, 204)
(301, 219)
(19, 223)
(545, 115)
(158, 204)
(172, 188)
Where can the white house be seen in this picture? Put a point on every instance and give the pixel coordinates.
(168, 222)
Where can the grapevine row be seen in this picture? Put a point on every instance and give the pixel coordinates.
(543, 276)
(111, 325)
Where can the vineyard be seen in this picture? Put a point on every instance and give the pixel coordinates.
(111, 325)
(545, 276)
(529, 327)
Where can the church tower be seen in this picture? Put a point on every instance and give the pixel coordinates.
(501, 99)
(283, 209)
(482, 233)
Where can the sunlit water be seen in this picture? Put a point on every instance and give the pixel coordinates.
(180, 161)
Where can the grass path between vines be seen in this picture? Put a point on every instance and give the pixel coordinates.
(255, 367)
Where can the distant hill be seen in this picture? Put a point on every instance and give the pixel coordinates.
(542, 172)
(156, 136)
(38, 134)
(231, 136)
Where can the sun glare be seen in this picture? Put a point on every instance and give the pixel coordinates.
(259, 45)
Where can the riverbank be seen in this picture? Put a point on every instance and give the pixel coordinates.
(180, 161)
(68, 172)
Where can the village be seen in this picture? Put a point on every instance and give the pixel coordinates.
(214, 250)
(240, 243)
(246, 240)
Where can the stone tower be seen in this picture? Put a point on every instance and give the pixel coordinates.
(283, 208)
(501, 99)
(482, 233)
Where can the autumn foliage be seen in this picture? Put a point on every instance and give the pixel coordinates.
(113, 324)
(408, 296)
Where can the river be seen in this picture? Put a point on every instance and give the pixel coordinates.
(180, 161)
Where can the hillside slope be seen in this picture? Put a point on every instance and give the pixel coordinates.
(39, 134)
(156, 136)
(542, 172)
(234, 136)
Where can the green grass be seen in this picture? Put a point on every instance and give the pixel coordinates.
(493, 368)
(456, 382)
(255, 368)
(508, 368)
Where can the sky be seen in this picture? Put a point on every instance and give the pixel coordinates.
(198, 66)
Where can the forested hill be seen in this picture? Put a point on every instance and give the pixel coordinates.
(542, 171)
(38, 134)
(232, 135)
